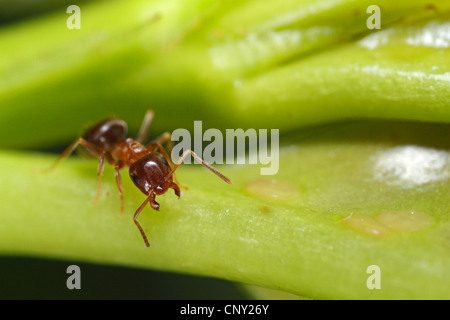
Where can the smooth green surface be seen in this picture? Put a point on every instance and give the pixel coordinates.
(299, 245)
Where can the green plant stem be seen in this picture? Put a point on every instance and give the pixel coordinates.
(297, 242)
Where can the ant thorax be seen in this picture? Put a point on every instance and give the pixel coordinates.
(129, 151)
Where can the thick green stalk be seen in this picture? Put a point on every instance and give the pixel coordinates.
(341, 202)
(397, 73)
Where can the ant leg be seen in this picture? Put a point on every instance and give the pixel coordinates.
(155, 145)
(163, 138)
(185, 154)
(118, 166)
(136, 215)
(166, 137)
(154, 205)
(175, 187)
(91, 147)
(143, 131)
(101, 166)
(66, 153)
(101, 154)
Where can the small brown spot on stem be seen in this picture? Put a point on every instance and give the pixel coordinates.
(404, 221)
(388, 222)
(272, 189)
(367, 225)
(265, 209)
(432, 7)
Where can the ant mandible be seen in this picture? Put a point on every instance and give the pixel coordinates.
(150, 167)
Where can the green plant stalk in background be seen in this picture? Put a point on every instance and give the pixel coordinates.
(13, 11)
(344, 195)
(290, 65)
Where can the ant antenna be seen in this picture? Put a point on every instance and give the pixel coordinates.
(207, 165)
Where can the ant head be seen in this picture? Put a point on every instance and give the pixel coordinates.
(149, 174)
(107, 133)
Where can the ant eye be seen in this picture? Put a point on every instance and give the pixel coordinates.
(136, 180)
(164, 161)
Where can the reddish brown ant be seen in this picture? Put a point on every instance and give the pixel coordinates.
(150, 170)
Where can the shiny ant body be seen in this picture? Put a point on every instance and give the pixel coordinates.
(150, 167)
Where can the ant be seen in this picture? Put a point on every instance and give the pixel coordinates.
(150, 167)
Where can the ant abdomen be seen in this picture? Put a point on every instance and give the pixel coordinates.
(107, 133)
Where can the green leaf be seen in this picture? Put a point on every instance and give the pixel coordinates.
(341, 202)
(286, 65)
